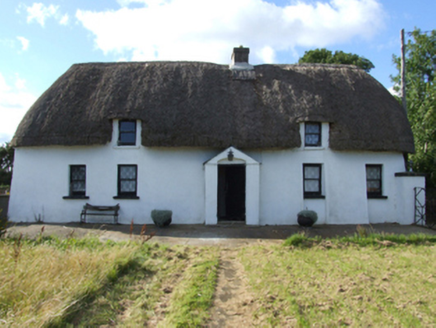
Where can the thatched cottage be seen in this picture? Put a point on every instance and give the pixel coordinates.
(214, 142)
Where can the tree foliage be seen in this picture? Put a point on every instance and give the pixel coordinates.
(324, 56)
(421, 99)
(6, 162)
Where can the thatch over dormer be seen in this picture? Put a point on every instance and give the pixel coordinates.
(194, 104)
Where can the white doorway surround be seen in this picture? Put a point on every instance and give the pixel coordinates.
(252, 188)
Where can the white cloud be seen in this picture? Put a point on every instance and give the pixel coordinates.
(148, 3)
(40, 13)
(206, 30)
(20, 84)
(24, 43)
(14, 102)
(267, 55)
(394, 92)
(64, 19)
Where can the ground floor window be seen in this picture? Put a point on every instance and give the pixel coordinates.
(127, 181)
(312, 174)
(373, 180)
(77, 180)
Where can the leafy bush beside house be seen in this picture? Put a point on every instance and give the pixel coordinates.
(6, 163)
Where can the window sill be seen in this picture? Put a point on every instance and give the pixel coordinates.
(313, 148)
(126, 197)
(377, 197)
(126, 147)
(314, 197)
(410, 174)
(75, 197)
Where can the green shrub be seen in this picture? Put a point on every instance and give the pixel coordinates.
(161, 218)
(3, 224)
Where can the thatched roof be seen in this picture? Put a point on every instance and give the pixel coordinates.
(196, 104)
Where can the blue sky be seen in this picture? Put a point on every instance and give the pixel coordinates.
(40, 40)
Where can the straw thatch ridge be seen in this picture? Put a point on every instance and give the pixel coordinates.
(196, 104)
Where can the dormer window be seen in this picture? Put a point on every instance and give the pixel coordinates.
(312, 134)
(127, 133)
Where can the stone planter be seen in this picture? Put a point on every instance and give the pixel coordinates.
(161, 218)
(305, 221)
(307, 218)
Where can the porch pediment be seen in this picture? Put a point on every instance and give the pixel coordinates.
(239, 157)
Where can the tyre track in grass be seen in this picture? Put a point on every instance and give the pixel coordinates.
(233, 304)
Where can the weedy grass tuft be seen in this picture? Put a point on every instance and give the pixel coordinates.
(193, 297)
(360, 238)
(301, 240)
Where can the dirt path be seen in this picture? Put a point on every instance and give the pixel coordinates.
(233, 304)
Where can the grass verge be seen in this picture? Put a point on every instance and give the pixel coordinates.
(362, 238)
(337, 282)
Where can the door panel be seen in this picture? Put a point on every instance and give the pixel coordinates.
(231, 192)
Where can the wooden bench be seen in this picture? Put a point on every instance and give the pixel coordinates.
(98, 210)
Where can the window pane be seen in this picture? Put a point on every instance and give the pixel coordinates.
(128, 186)
(128, 172)
(312, 139)
(311, 172)
(311, 186)
(128, 138)
(373, 186)
(78, 186)
(373, 172)
(78, 173)
(127, 126)
(312, 128)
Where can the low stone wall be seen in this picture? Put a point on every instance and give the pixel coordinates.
(4, 202)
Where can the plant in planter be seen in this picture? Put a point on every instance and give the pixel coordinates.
(307, 218)
(161, 218)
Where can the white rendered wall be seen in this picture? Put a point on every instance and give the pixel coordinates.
(168, 178)
(343, 184)
(176, 179)
(406, 197)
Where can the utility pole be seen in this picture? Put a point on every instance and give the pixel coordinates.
(403, 72)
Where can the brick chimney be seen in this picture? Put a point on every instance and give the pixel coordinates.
(240, 59)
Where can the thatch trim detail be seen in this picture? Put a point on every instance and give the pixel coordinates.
(191, 104)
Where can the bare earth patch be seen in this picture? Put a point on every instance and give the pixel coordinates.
(233, 304)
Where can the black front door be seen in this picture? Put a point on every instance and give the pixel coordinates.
(231, 192)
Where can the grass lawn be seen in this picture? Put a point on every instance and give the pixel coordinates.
(350, 281)
(359, 281)
(84, 282)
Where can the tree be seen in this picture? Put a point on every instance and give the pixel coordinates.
(6, 162)
(420, 57)
(324, 56)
